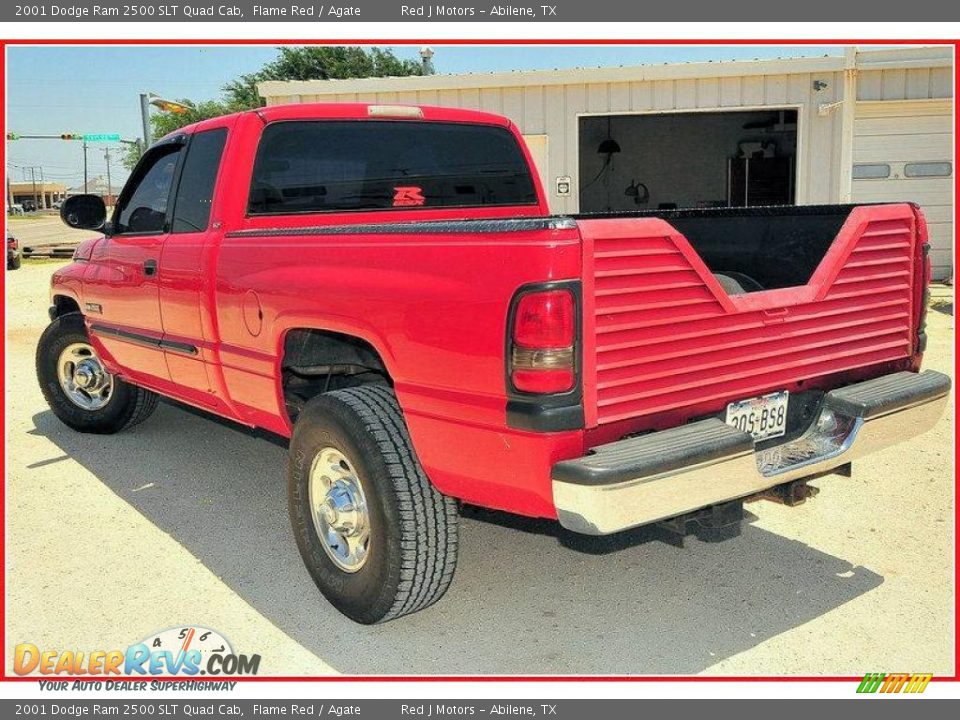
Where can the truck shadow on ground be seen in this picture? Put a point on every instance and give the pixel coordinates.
(527, 598)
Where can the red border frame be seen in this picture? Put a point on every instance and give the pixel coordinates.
(493, 678)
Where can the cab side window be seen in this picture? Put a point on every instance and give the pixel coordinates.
(191, 211)
(143, 207)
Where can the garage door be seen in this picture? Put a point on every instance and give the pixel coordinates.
(903, 150)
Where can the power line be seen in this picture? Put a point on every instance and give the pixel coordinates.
(43, 106)
(94, 169)
(23, 163)
(127, 83)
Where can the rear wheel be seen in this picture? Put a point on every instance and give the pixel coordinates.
(378, 539)
(77, 387)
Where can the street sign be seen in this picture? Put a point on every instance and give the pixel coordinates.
(101, 137)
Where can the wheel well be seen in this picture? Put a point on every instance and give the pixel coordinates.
(63, 305)
(317, 361)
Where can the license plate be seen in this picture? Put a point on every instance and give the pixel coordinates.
(763, 417)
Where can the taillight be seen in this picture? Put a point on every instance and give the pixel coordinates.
(924, 290)
(543, 339)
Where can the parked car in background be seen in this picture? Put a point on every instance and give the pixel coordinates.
(13, 253)
(29, 206)
(385, 286)
(15, 209)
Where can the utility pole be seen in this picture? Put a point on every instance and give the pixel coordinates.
(145, 118)
(85, 166)
(106, 154)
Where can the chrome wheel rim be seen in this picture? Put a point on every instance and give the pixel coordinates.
(82, 376)
(339, 510)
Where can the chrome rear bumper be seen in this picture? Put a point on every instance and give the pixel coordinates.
(672, 472)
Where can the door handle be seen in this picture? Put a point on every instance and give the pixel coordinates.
(150, 267)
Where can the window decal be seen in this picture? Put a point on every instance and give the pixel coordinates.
(408, 196)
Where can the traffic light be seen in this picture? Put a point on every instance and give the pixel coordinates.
(171, 106)
(71, 136)
(12, 136)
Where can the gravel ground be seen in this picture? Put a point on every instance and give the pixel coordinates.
(183, 520)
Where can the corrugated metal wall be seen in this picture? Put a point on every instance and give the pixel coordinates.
(552, 110)
(905, 84)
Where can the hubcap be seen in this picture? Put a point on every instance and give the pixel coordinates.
(82, 377)
(339, 510)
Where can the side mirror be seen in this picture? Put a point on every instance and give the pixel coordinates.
(84, 212)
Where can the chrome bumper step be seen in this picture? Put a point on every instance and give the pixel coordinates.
(667, 473)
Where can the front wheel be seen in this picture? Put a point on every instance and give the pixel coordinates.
(78, 388)
(378, 539)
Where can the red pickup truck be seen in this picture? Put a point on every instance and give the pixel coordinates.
(386, 286)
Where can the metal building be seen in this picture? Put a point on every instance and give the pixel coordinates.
(861, 126)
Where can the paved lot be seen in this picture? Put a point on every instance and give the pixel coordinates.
(183, 520)
(35, 230)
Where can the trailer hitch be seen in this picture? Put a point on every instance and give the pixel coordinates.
(790, 494)
(712, 524)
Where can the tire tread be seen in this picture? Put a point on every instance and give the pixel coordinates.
(429, 518)
(145, 402)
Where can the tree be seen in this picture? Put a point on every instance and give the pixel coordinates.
(333, 62)
(318, 63)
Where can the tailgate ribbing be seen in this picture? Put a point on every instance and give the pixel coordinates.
(666, 336)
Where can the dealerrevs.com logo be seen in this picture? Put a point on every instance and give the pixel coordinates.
(186, 651)
(912, 683)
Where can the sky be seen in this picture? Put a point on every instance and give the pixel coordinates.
(53, 90)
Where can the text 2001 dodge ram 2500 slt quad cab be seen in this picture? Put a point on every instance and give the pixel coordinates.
(385, 286)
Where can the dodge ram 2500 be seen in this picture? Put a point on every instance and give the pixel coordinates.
(386, 287)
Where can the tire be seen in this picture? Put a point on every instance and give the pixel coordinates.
(412, 541)
(126, 406)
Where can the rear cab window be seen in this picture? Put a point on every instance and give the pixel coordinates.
(319, 166)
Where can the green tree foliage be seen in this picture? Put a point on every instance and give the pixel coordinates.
(292, 63)
(319, 63)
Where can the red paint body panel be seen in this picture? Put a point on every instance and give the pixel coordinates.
(434, 307)
(661, 341)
